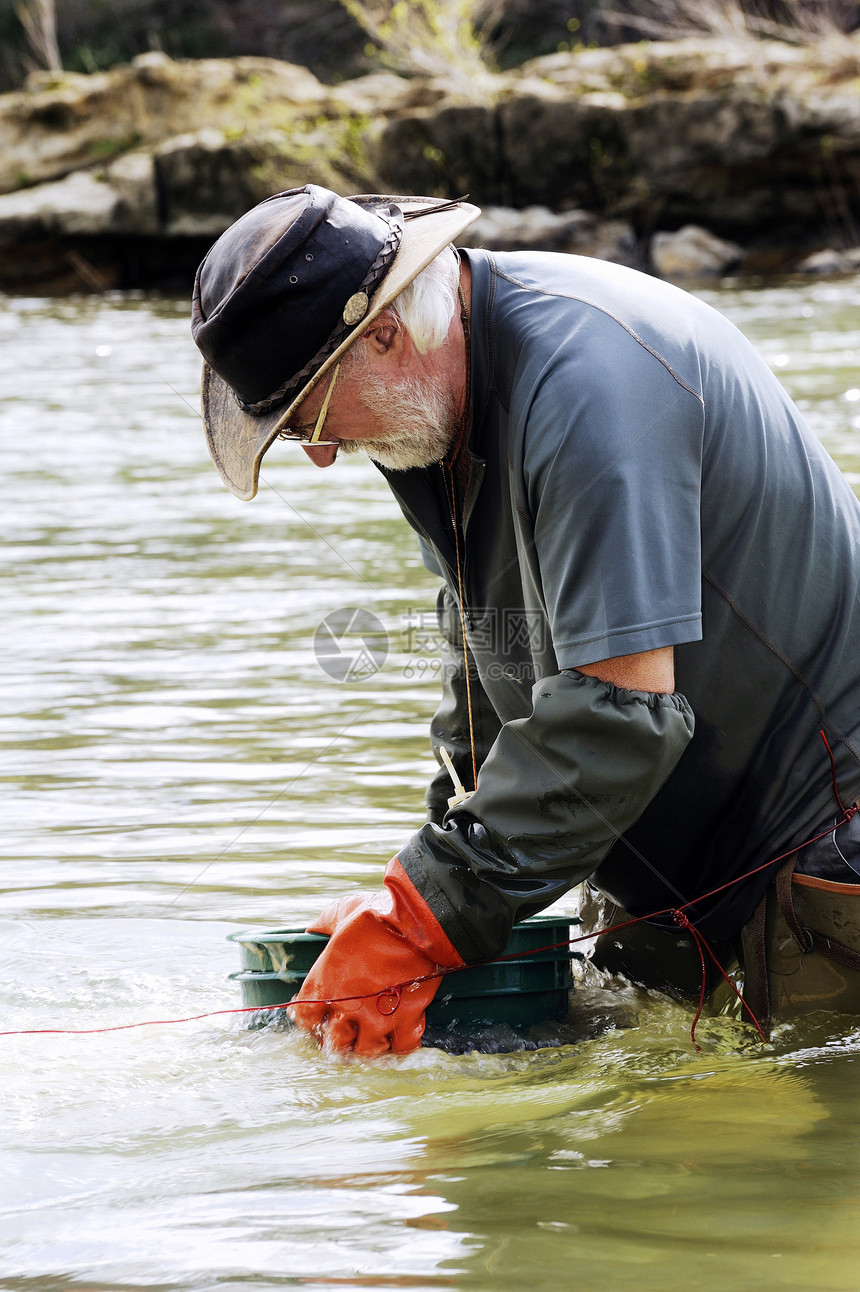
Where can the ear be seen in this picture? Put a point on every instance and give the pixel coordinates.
(386, 335)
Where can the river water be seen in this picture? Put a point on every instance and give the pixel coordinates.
(176, 765)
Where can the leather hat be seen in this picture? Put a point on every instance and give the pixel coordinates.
(285, 291)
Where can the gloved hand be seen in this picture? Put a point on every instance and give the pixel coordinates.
(376, 944)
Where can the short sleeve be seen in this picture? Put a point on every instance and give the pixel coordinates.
(612, 456)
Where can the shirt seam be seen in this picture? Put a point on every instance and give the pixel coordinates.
(567, 296)
(786, 662)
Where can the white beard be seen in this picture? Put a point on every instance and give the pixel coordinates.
(423, 422)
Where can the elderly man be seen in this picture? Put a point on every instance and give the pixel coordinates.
(650, 601)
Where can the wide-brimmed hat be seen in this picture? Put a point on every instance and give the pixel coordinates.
(285, 291)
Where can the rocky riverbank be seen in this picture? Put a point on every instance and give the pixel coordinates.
(686, 158)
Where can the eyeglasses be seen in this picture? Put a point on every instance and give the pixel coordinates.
(297, 435)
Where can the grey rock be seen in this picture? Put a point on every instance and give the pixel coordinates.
(133, 180)
(80, 204)
(830, 261)
(573, 151)
(205, 182)
(537, 228)
(693, 252)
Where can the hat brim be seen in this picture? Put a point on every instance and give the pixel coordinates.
(238, 440)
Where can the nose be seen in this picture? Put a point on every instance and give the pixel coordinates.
(322, 455)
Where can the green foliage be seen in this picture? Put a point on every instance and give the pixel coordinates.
(428, 37)
(327, 150)
(456, 39)
(355, 140)
(795, 21)
(105, 149)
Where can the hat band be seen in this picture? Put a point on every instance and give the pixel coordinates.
(372, 278)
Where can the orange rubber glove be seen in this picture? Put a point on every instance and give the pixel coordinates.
(377, 945)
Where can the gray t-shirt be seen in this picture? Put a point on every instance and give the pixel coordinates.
(641, 480)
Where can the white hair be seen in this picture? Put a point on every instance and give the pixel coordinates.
(426, 306)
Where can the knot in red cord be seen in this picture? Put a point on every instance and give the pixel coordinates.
(388, 1001)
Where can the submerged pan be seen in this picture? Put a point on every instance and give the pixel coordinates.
(532, 989)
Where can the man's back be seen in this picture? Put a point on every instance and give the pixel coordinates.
(648, 483)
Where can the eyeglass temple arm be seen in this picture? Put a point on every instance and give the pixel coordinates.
(321, 416)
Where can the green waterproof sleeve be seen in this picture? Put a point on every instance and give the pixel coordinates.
(450, 725)
(555, 792)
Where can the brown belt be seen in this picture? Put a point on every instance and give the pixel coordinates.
(801, 949)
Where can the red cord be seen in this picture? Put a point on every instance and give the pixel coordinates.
(388, 1000)
(681, 919)
(384, 1004)
(847, 813)
(123, 1027)
(702, 946)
